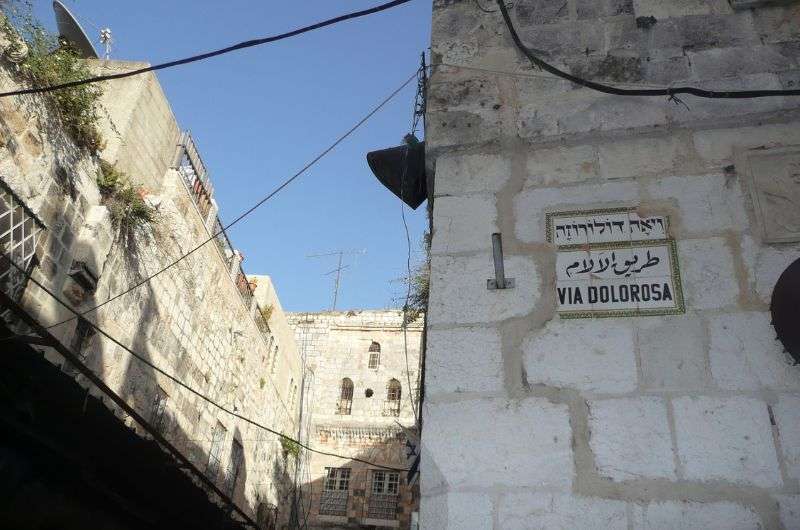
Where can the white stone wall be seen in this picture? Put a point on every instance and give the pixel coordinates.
(190, 321)
(534, 421)
(336, 345)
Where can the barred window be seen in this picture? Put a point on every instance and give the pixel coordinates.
(393, 390)
(215, 453)
(335, 491)
(374, 360)
(234, 466)
(19, 230)
(345, 405)
(160, 417)
(382, 502)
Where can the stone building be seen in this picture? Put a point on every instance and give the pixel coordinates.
(361, 406)
(631, 377)
(202, 321)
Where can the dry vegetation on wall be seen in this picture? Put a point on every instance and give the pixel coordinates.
(420, 284)
(130, 213)
(49, 62)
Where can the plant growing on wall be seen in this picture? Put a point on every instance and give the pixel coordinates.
(290, 448)
(50, 61)
(130, 213)
(266, 312)
(420, 281)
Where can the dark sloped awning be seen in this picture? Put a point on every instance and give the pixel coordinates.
(66, 461)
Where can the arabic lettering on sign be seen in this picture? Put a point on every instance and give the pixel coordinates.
(617, 279)
(605, 228)
(613, 263)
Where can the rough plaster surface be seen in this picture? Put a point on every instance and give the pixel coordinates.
(500, 434)
(547, 511)
(691, 515)
(746, 356)
(726, 439)
(464, 360)
(709, 279)
(581, 354)
(631, 438)
(460, 295)
(672, 353)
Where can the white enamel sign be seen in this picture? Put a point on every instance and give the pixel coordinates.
(614, 263)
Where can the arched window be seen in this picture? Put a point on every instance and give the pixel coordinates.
(345, 404)
(393, 393)
(374, 355)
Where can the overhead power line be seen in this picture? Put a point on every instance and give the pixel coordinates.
(207, 55)
(180, 383)
(608, 89)
(250, 210)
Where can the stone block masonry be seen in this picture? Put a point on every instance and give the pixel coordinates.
(684, 420)
(192, 321)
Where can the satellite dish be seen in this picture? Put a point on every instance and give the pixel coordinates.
(69, 29)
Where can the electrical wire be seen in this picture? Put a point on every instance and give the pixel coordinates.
(247, 212)
(670, 92)
(207, 55)
(174, 379)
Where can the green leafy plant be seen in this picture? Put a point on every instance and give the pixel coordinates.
(290, 447)
(262, 383)
(420, 282)
(130, 213)
(51, 62)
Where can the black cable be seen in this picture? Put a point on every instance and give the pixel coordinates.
(180, 383)
(606, 89)
(207, 55)
(247, 212)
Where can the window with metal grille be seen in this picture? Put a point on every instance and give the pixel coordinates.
(374, 360)
(382, 503)
(19, 231)
(234, 466)
(274, 366)
(333, 500)
(345, 404)
(391, 407)
(375, 347)
(159, 416)
(215, 453)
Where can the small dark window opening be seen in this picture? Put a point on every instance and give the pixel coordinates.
(369, 393)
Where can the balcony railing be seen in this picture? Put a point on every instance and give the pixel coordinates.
(334, 502)
(344, 406)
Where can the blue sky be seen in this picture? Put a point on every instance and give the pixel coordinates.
(260, 114)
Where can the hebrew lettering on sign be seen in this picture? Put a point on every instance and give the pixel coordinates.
(614, 263)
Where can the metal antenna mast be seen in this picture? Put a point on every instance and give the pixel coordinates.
(339, 268)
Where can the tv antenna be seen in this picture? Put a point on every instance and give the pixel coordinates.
(339, 268)
(107, 41)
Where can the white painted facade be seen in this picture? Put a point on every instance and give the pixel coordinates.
(535, 420)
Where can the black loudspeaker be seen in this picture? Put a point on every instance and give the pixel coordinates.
(785, 308)
(402, 170)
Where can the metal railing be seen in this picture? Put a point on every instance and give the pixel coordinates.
(382, 506)
(19, 234)
(391, 407)
(334, 502)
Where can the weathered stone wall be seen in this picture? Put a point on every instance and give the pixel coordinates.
(336, 345)
(535, 421)
(191, 321)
